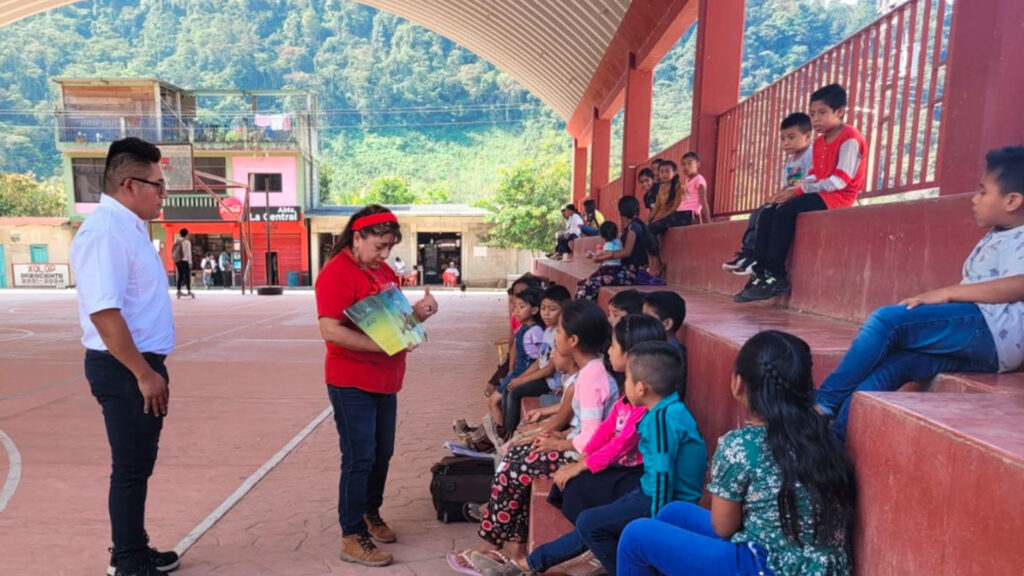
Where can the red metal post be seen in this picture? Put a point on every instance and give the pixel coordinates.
(982, 99)
(636, 132)
(716, 81)
(600, 153)
(579, 172)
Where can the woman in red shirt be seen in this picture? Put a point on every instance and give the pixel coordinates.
(362, 381)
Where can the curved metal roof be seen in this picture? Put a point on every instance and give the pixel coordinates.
(551, 47)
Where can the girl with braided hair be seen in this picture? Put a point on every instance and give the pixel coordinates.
(782, 486)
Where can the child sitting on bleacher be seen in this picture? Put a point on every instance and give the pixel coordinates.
(633, 255)
(611, 465)
(522, 283)
(782, 487)
(674, 457)
(526, 345)
(670, 309)
(645, 180)
(837, 176)
(541, 377)
(583, 333)
(623, 304)
(974, 326)
(795, 134)
(610, 233)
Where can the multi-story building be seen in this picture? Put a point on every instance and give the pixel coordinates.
(264, 139)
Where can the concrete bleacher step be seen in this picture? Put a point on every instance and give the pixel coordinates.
(941, 483)
(546, 522)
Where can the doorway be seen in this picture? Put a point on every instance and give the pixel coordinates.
(436, 251)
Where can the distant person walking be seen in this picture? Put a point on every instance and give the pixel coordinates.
(362, 381)
(128, 331)
(208, 264)
(181, 253)
(226, 267)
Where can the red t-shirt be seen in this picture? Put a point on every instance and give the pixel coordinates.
(340, 284)
(845, 161)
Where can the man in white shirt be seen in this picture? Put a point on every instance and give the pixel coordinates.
(571, 231)
(128, 331)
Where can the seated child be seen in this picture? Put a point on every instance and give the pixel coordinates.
(526, 309)
(623, 304)
(522, 283)
(836, 178)
(592, 218)
(645, 180)
(974, 326)
(670, 309)
(541, 377)
(633, 255)
(795, 134)
(609, 232)
(782, 488)
(610, 466)
(582, 335)
(674, 457)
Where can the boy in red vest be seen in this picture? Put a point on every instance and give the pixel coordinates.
(836, 178)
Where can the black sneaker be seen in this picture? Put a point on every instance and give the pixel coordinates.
(746, 268)
(764, 289)
(741, 297)
(738, 261)
(147, 569)
(162, 562)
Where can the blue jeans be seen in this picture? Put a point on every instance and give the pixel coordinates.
(681, 541)
(896, 345)
(597, 529)
(133, 436)
(366, 432)
(589, 231)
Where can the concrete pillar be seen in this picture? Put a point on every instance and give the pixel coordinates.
(636, 133)
(579, 171)
(600, 155)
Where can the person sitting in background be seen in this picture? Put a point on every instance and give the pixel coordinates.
(632, 255)
(650, 190)
(571, 231)
(592, 218)
(451, 275)
(974, 326)
(399, 266)
(610, 233)
(795, 134)
(837, 176)
(664, 213)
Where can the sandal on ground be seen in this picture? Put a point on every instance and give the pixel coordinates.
(473, 511)
(461, 562)
(488, 561)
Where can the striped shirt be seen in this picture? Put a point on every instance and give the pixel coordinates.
(675, 458)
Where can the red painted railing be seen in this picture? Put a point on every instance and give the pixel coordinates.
(894, 73)
(611, 192)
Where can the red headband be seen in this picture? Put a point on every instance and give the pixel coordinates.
(373, 219)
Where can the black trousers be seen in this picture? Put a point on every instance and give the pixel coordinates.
(564, 244)
(184, 275)
(656, 228)
(512, 401)
(775, 230)
(133, 436)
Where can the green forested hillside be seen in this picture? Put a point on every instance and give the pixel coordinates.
(397, 100)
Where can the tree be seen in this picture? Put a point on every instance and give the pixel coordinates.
(22, 195)
(525, 211)
(389, 190)
(435, 195)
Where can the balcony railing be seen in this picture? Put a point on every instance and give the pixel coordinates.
(248, 132)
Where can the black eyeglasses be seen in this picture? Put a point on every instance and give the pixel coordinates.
(161, 185)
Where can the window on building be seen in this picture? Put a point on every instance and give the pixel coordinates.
(88, 177)
(215, 166)
(266, 183)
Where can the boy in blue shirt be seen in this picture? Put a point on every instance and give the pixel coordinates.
(675, 460)
(974, 326)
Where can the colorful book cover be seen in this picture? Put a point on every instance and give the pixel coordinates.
(387, 318)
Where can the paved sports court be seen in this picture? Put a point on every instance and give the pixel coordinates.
(249, 444)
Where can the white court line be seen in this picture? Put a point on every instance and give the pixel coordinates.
(14, 474)
(18, 334)
(250, 482)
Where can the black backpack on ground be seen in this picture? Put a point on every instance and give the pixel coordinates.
(456, 480)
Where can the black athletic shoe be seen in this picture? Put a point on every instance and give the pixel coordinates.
(764, 289)
(746, 268)
(147, 569)
(162, 562)
(741, 297)
(736, 262)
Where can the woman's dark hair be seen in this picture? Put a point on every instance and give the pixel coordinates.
(585, 320)
(532, 296)
(609, 230)
(645, 172)
(630, 302)
(572, 208)
(382, 229)
(629, 207)
(775, 367)
(629, 332)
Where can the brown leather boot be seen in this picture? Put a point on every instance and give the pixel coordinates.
(379, 530)
(359, 549)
